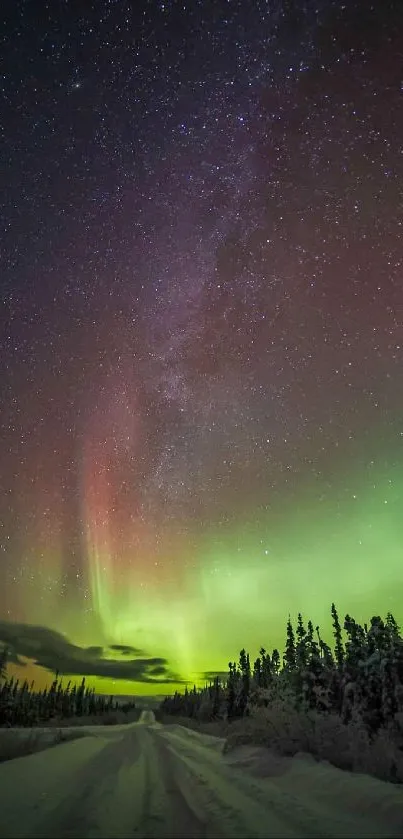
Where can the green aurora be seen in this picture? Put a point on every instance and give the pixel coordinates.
(240, 584)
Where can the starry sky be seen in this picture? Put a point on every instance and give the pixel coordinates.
(202, 330)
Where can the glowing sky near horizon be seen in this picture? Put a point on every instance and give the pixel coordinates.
(201, 417)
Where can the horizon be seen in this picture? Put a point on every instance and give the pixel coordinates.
(141, 690)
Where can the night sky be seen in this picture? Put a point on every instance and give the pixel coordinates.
(201, 330)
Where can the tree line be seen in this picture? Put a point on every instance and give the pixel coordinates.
(360, 679)
(22, 705)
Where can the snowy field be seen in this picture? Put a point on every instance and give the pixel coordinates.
(148, 780)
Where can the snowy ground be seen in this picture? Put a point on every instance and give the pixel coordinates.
(146, 780)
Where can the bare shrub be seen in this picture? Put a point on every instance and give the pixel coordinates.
(287, 731)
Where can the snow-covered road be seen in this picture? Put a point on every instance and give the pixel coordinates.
(146, 780)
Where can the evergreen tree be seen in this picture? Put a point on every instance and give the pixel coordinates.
(275, 662)
(266, 668)
(355, 645)
(392, 628)
(257, 672)
(216, 698)
(300, 650)
(325, 651)
(289, 654)
(339, 649)
(231, 691)
(3, 662)
(244, 666)
(377, 637)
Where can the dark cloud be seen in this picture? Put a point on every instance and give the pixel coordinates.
(157, 670)
(210, 675)
(52, 651)
(125, 649)
(95, 651)
(12, 658)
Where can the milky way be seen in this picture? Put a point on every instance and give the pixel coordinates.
(202, 331)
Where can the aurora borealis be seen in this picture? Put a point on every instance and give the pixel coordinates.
(202, 331)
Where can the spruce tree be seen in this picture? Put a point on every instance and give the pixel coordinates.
(244, 667)
(325, 651)
(289, 654)
(339, 649)
(3, 663)
(392, 627)
(257, 672)
(377, 636)
(267, 671)
(275, 662)
(355, 645)
(300, 650)
(231, 691)
(216, 698)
